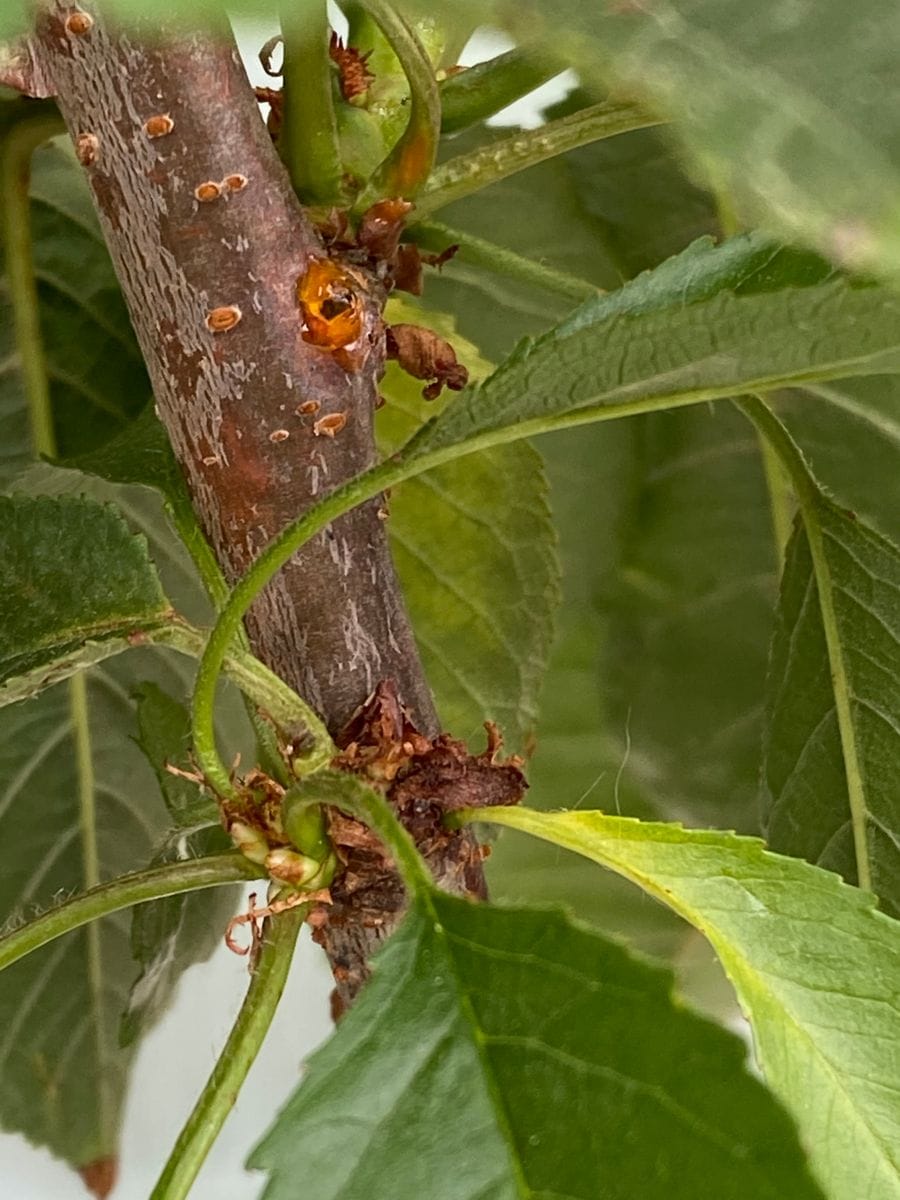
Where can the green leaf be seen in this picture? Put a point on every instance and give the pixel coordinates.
(849, 432)
(537, 214)
(605, 210)
(790, 111)
(711, 322)
(635, 193)
(79, 804)
(475, 551)
(816, 968)
(79, 587)
(142, 454)
(169, 935)
(772, 108)
(509, 1052)
(833, 716)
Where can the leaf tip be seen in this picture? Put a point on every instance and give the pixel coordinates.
(100, 1176)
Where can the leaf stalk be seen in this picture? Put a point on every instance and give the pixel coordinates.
(238, 1055)
(173, 879)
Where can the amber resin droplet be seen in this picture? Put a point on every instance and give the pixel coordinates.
(330, 304)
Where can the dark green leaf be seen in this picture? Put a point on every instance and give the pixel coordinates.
(849, 431)
(78, 585)
(711, 322)
(505, 1053)
(815, 966)
(830, 793)
(634, 192)
(475, 550)
(169, 935)
(791, 113)
(79, 803)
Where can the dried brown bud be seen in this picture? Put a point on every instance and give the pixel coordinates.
(381, 225)
(208, 191)
(330, 424)
(87, 147)
(423, 354)
(158, 126)
(219, 320)
(267, 54)
(356, 78)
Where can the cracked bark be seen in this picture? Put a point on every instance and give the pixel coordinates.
(333, 624)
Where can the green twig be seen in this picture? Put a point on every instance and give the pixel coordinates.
(478, 92)
(19, 143)
(467, 173)
(185, 521)
(237, 1057)
(433, 236)
(809, 498)
(277, 699)
(309, 139)
(409, 163)
(153, 884)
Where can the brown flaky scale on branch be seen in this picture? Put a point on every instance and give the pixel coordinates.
(424, 354)
(424, 779)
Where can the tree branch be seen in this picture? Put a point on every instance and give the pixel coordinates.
(209, 243)
(153, 121)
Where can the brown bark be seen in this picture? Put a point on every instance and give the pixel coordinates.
(153, 122)
(210, 280)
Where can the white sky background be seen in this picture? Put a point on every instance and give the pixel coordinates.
(174, 1061)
